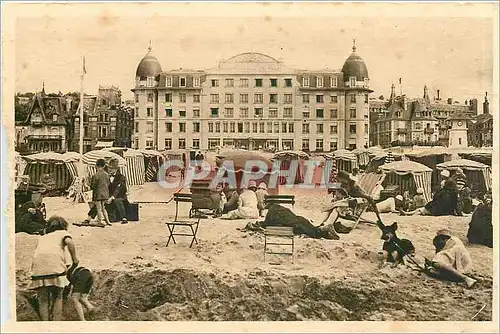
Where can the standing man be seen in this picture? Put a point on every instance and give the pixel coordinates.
(117, 191)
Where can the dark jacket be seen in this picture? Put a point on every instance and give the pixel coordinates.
(27, 222)
(481, 227)
(100, 186)
(445, 201)
(118, 188)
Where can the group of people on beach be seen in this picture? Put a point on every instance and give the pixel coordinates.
(51, 275)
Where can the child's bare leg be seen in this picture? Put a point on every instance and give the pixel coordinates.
(84, 300)
(99, 211)
(78, 306)
(57, 307)
(450, 271)
(105, 212)
(43, 298)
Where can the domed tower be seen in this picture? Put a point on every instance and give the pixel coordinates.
(147, 78)
(147, 70)
(357, 101)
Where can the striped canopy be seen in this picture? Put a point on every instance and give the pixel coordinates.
(90, 158)
(291, 154)
(409, 175)
(471, 169)
(134, 170)
(51, 170)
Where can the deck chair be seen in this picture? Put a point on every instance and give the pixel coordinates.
(368, 181)
(350, 210)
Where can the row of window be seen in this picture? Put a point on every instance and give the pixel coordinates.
(244, 82)
(214, 142)
(257, 112)
(247, 127)
(183, 81)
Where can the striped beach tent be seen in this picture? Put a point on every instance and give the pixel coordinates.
(51, 170)
(90, 159)
(478, 174)
(409, 175)
(152, 160)
(134, 169)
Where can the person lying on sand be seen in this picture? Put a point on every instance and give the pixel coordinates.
(452, 260)
(391, 205)
(278, 215)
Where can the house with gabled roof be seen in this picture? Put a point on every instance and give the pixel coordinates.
(46, 125)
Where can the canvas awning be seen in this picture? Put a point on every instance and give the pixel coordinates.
(103, 144)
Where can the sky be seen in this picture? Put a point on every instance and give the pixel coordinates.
(454, 55)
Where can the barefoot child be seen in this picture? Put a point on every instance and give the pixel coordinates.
(48, 271)
(81, 281)
(100, 192)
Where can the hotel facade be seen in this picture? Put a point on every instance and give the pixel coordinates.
(251, 101)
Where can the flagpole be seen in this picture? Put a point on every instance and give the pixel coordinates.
(81, 115)
(79, 191)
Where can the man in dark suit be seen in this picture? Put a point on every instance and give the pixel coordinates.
(117, 201)
(117, 191)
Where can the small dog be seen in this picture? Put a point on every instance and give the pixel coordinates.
(395, 249)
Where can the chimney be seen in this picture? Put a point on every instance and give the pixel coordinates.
(486, 105)
(438, 96)
(450, 100)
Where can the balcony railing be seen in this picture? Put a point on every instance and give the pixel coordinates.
(429, 131)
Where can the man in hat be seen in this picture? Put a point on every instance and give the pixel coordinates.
(118, 195)
(117, 191)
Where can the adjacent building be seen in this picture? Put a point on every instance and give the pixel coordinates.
(251, 101)
(106, 122)
(46, 125)
(481, 127)
(419, 121)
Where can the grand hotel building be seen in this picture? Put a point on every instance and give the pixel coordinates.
(251, 101)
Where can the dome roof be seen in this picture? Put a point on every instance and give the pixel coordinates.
(148, 67)
(354, 66)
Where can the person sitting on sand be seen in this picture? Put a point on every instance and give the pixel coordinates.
(247, 204)
(261, 195)
(232, 201)
(48, 270)
(419, 199)
(444, 203)
(29, 219)
(452, 260)
(480, 226)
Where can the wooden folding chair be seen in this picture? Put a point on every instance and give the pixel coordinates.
(287, 239)
(193, 226)
(359, 208)
(280, 199)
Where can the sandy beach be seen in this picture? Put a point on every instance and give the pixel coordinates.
(224, 277)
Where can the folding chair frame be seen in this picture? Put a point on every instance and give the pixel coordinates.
(193, 225)
(280, 232)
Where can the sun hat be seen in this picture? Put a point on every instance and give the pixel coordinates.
(252, 184)
(420, 191)
(399, 197)
(444, 232)
(445, 173)
(262, 185)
